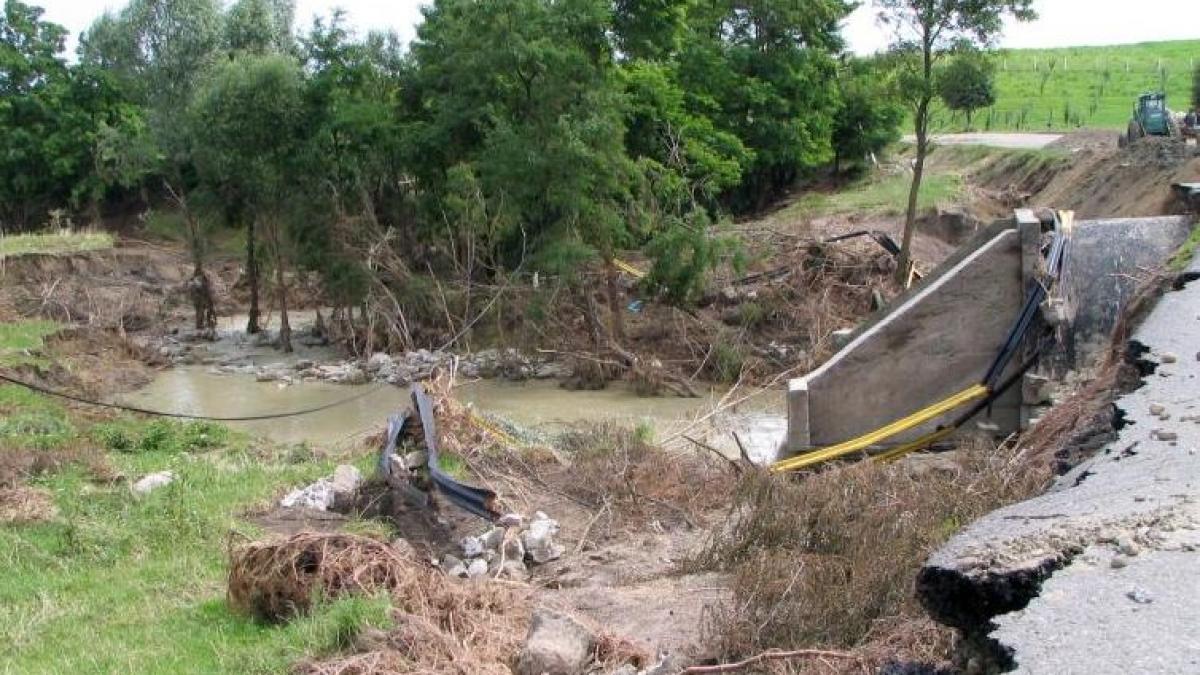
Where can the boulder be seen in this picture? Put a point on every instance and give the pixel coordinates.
(477, 569)
(492, 539)
(556, 645)
(472, 546)
(346, 482)
(379, 361)
(539, 539)
(153, 482)
(346, 479)
(318, 496)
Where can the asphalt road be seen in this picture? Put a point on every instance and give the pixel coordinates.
(995, 140)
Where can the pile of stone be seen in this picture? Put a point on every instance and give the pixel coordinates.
(403, 369)
(507, 550)
(336, 492)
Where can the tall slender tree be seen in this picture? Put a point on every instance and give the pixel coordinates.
(924, 31)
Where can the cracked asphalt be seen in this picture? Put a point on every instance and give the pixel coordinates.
(1119, 535)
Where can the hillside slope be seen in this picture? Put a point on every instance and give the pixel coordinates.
(1092, 87)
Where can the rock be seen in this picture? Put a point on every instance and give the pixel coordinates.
(556, 645)
(319, 496)
(472, 546)
(379, 361)
(514, 549)
(303, 364)
(511, 520)
(416, 459)
(1168, 436)
(477, 569)
(346, 479)
(1128, 547)
(1118, 562)
(153, 482)
(515, 570)
(404, 548)
(1139, 596)
(1157, 409)
(453, 566)
(1168, 357)
(492, 539)
(539, 540)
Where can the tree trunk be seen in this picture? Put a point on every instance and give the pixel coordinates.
(921, 124)
(275, 243)
(614, 301)
(904, 260)
(252, 325)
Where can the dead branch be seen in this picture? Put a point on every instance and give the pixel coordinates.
(771, 655)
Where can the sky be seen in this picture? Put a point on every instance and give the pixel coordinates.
(1062, 23)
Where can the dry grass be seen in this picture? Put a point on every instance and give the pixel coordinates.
(24, 505)
(831, 559)
(440, 625)
(20, 464)
(276, 580)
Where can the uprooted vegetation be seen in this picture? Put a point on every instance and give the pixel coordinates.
(830, 559)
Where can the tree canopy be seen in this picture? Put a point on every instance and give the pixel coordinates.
(527, 132)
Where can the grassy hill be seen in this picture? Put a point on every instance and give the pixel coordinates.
(1072, 87)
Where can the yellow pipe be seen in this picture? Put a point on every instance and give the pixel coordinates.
(918, 418)
(922, 442)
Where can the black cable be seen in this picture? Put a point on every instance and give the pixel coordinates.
(184, 416)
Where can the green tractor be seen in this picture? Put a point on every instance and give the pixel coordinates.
(1150, 118)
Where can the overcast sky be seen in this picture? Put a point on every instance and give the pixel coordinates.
(1062, 22)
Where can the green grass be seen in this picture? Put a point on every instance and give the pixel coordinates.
(53, 243)
(120, 584)
(1072, 87)
(21, 340)
(1185, 253)
(886, 196)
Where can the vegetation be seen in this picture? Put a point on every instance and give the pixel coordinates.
(925, 32)
(967, 84)
(826, 560)
(144, 575)
(53, 243)
(510, 137)
(1090, 87)
(20, 341)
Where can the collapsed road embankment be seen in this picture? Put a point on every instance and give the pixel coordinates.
(1102, 573)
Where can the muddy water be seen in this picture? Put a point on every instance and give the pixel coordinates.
(541, 405)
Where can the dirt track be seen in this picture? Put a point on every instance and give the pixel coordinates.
(995, 140)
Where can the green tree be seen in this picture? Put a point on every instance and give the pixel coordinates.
(525, 93)
(967, 83)
(57, 124)
(764, 71)
(260, 26)
(925, 30)
(247, 119)
(158, 50)
(869, 114)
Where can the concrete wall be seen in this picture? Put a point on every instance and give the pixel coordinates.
(1106, 262)
(940, 337)
(934, 342)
